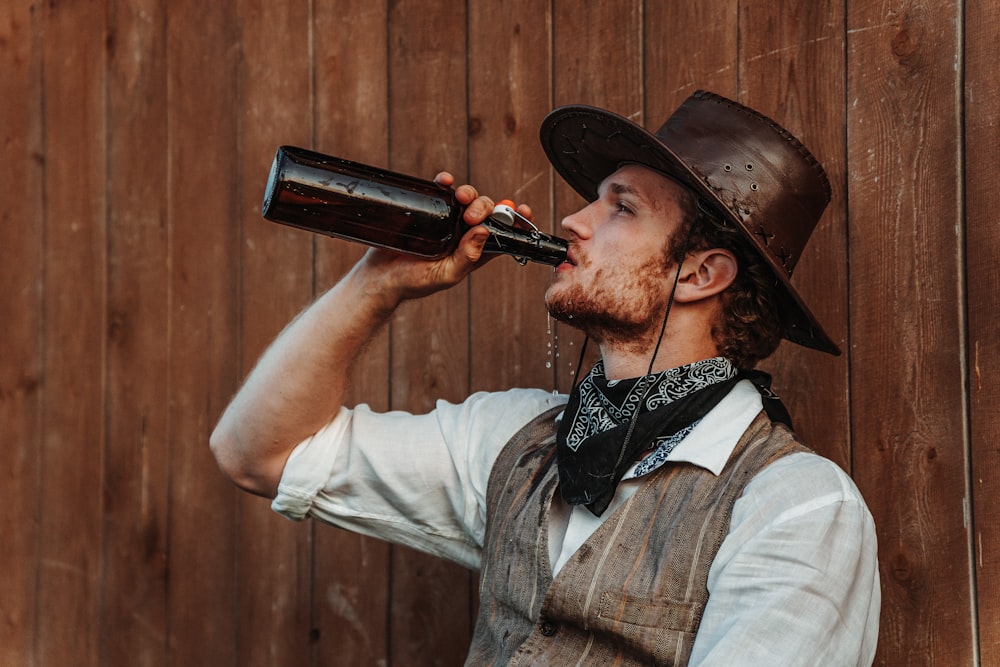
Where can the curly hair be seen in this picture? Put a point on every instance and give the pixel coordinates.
(750, 327)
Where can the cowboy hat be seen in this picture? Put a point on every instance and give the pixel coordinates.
(745, 167)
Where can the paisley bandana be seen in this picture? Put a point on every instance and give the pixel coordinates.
(609, 423)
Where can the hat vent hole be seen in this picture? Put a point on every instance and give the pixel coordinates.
(749, 167)
(753, 186)
(728, 167)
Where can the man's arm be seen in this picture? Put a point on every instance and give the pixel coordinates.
(298, 384)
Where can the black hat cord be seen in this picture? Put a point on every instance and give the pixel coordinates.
(659, 340)
(656, 349)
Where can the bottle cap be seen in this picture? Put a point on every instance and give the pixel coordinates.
(504, 212)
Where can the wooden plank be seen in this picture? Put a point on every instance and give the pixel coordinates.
(700, 53)
(203, 341)
(509, 92)
(133, 598)
(907, 417)
(273, 554)
(982, 243)
(601, 48)
(430, 611)
(21, 247)
(74, 321)
(351, 573)
(792, 69)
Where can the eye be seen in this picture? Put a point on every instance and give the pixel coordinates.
(624, 208)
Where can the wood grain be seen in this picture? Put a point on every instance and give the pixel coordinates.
(203, 335)
(136, 462)
(21, 318)
(982, 247)
(688, 46)
(792, 70)
(74, 335)
(910, 456)
(509, 47)
(140, 284)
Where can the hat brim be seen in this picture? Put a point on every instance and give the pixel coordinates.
(587, 144)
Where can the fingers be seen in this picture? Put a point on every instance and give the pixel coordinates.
(477, 211)
(444, 178)
(477, 208)
(470, 250)
(526, 211)
(464, 193)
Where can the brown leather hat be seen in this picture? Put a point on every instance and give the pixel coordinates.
(740, 163)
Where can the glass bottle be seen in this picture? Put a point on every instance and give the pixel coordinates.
(336, 197)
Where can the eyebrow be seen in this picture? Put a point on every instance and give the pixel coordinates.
(619, 189)
(622, 189)
(643, 198)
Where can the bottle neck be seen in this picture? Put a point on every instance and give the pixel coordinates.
(524, 244)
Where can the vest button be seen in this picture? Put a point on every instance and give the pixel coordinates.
(548, 628)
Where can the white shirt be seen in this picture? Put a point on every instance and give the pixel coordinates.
(795, 582)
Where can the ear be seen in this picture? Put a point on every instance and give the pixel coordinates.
(704, 274)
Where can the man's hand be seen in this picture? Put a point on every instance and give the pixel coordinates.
(399, 277)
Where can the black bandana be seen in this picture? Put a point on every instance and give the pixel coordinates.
(608, 423)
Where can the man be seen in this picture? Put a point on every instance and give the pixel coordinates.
(660, 514)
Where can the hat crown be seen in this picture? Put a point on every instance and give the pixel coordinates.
(760, 175)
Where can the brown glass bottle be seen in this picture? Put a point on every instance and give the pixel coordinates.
(357, 202)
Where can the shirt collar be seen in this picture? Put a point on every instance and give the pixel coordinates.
(712, 440)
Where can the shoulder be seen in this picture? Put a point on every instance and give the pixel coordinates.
(798, 485)
(796, 578)
(502, 413)
(486, 421)
(804, 509)
(520, 401)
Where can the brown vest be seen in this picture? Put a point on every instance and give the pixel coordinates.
(634, 592)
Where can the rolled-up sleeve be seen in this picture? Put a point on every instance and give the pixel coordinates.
(417, 480)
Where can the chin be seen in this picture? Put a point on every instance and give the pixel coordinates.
(562, 305)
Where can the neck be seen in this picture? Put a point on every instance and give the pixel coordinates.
(686, 340)
(621, 364)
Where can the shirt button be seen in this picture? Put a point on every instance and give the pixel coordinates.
(548, 628)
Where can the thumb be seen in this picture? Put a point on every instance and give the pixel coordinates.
(470, 248)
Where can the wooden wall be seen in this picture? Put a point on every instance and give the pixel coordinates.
(138, 284)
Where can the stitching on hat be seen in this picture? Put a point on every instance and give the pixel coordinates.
(781, 253)
(809, 158)
(764, 235)
(784, 256)
(586, 143)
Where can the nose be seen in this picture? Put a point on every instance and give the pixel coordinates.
(578, 223)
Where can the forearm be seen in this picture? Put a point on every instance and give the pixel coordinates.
(298, 384)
